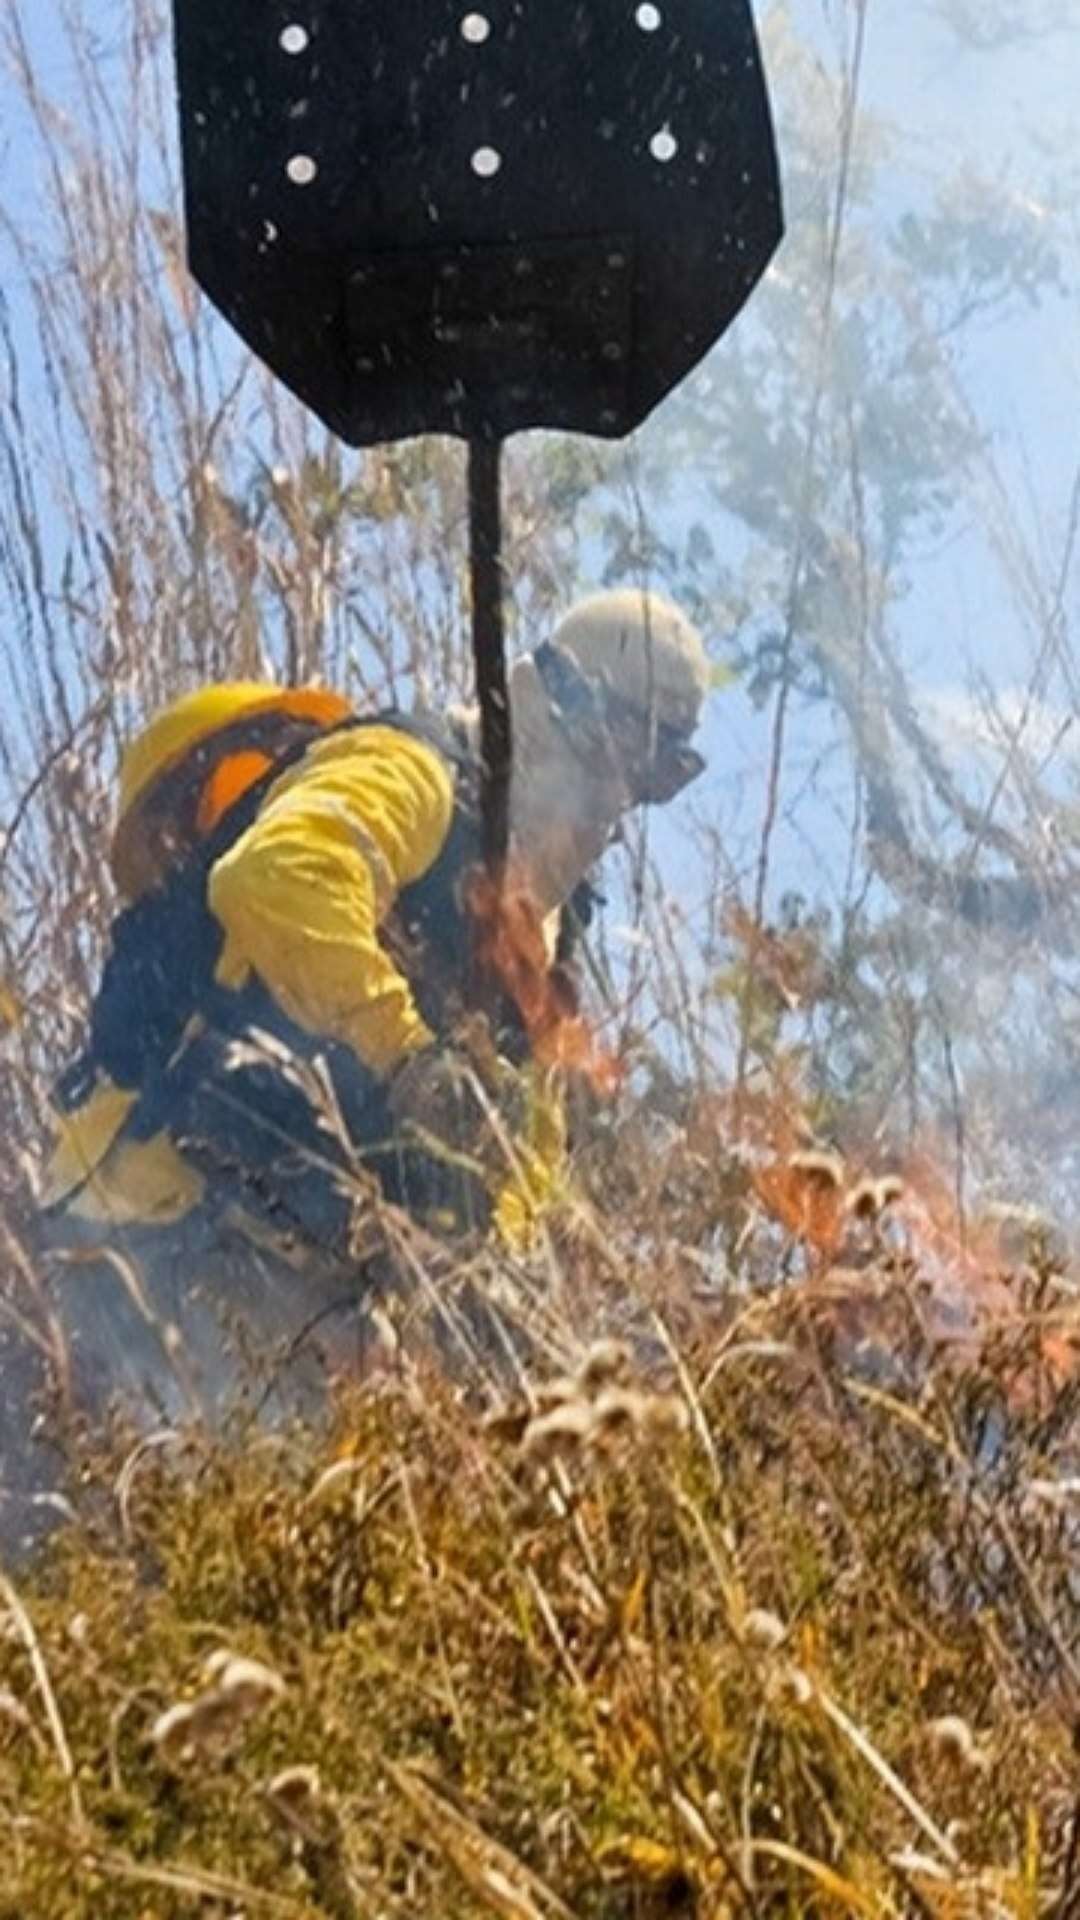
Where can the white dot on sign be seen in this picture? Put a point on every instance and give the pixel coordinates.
(486, 162)
(476, 28)
(301, 169)
(663, 146)
(294, 39)
(649, 18)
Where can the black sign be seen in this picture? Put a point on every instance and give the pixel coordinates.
(429, 217)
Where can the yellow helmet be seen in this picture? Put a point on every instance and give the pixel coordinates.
(173, 737)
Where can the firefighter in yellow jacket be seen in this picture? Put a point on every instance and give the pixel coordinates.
(296, 886)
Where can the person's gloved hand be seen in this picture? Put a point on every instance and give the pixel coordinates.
(433, 1094)
(444, 1138)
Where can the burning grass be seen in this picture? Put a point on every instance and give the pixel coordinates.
(752, 1605)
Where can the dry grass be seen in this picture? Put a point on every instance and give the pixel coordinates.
(747, 1610)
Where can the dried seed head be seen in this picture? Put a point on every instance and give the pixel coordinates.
(863, 1200)
(557, 1392)
(296, 1787)
(250, 1684)
(242, 1688)
(871, 1198)
(820, 1169)
(606, 1361)
(171, 1732)
(296, 1794)
(620, 1410)
(763, 1630)
(950, 1738)
(195, 1729)
(790, 1686)
(563, 1430)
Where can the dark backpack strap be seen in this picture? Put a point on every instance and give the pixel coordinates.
(162, 953)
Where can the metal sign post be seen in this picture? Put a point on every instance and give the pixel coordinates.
(489, 649)
(431, 217)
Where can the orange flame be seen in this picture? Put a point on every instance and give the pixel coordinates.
(968, 1301)
(512, 949)
(809, 1208)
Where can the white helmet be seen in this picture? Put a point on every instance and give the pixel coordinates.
(602, 716)
(648, 653)
(649, 668)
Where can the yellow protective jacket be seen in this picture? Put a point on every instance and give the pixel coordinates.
(301, 897)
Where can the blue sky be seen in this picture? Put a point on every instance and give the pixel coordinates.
(999, 115)
(994, 112)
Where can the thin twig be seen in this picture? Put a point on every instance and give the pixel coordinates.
(30, 1641)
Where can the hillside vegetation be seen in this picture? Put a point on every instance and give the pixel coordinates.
(686, 1598)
